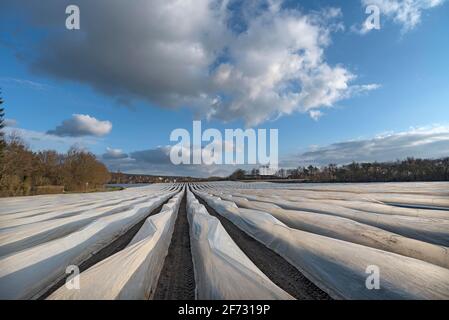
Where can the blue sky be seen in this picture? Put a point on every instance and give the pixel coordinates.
(385, 90)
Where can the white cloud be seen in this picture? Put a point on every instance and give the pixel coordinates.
(157, 161)
(255, 63)
(406, 13)
(423, 142)
(10, 122)
(159, 155)
(82, 125)
(37, 140)
(315, 114)
(278, 67)
(112, 154)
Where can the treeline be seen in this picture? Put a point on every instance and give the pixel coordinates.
(128, 178)
(407, 170)
(2, 125)
(24, 172)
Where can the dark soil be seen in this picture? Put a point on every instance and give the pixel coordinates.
(117, 245)
(276, 268)
(177, 279)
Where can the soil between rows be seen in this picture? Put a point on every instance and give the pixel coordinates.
(276, 268)
(177, 278)
(117, 245)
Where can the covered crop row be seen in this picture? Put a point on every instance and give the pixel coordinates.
(133, 272)
(29, 269)
(16, 238)
(350, 230)
(333, 250)
(222, 270)
(230, 240)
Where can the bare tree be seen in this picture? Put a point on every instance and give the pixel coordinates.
(2, 134)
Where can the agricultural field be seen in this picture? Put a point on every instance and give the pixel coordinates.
(229, 240)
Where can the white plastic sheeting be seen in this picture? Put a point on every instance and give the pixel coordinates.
(376, 207)
(17, 238)
(427, 189)
(133, 272)
(419, 194)
(30, 272)
(22, 219)
(339, 267)
(367, 204)
(19, 207)
(222, 270)
(352, 231)
(355, 201)
(425, 229)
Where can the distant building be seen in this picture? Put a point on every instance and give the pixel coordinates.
(282, 173)
(267, 171)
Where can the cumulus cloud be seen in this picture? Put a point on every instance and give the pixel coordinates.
(37, 140)
(159, 155)
(256, 61)
(156, 161)
(112, 154)
(425, 142)
(10, 122)
(81, 125)
(315, 114)
(406, 13)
